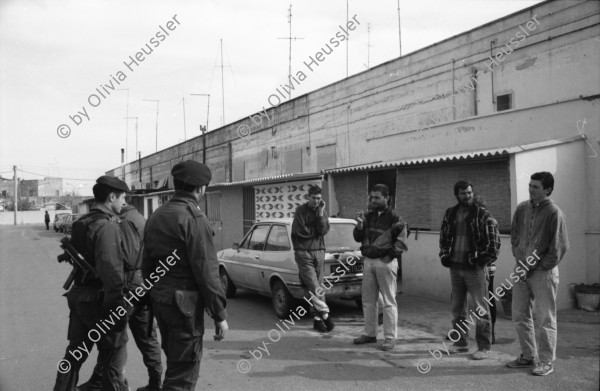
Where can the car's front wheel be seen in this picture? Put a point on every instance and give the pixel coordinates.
(282, 299)
(227, 284)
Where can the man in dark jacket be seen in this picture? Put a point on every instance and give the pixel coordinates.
(181, 268)
(97, 304)
(308, 230)
(383, 237)
(469, 242)
(47, 220)
(132, 230)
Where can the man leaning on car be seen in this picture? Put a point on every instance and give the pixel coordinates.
(308, 229)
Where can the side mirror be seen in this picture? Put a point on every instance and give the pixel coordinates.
(235, 246)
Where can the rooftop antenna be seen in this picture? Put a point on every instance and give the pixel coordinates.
(348, 40)
(290, 38)
(399, 32)
(368, 64)
(222, 82)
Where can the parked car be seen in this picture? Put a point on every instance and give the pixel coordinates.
(263, 262)
(59, 219)
(68, 223)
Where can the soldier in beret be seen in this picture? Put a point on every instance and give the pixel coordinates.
(181, 262)
(96, 303)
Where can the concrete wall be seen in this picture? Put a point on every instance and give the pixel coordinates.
(28, 217)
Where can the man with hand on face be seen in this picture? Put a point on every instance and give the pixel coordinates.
(93, 300)
(180, 266)
(469, 242)
(383, 236)
(309, 227)
(538, 230)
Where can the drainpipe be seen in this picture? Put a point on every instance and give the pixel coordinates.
(453, 95)
(492, 42)
(474, 77)
(230, 162)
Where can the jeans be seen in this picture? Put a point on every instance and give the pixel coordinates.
(534, 310)
(310, 269)
(380, 277)
(475, 282)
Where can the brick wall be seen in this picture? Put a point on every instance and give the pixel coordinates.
(425, 192)
(351, 193)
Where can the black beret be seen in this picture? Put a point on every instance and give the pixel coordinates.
(192, 173)
(113, 182)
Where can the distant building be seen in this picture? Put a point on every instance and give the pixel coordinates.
(494, 104)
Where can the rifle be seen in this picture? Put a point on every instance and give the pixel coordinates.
(72, 256)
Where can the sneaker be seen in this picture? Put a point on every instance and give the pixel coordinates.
(93, 384)
(388, 344)
(481, 354)
(520, 362)
(543, 369)
(364, 339)
(148, 387)
(460, 346)
(319, 325)
(380, 319)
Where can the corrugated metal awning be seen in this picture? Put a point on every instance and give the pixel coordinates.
(271, 179)
(452, 158)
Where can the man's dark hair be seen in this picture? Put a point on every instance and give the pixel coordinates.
(546, 178)
(383, 189)
(101, 192)
(462, 184)
(179, 185)
(314, 190)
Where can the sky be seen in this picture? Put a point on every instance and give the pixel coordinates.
(68, 63)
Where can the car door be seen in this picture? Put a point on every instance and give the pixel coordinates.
(246, 270)
(278, 257)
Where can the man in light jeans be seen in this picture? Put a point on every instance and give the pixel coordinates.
(379, 232)
(539, 239)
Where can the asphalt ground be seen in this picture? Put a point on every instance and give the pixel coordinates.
(34, 319)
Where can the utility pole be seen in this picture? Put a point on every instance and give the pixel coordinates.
(184, 132)
(157, 103)
(126, 123)
(203, 131)
(16, 199)
(136, 130)
(290, 38)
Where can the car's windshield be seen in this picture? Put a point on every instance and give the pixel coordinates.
(340, 238)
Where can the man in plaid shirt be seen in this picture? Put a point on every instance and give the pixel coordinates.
(469, 242)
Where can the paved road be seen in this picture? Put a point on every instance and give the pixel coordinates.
(34, 318)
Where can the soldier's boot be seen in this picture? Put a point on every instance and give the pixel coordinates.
(94, 384)
(154, 384)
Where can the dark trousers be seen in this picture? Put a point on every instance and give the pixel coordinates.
(47, 225)
(492, 305)
(148, 345)
(83, 316)
(182, 342)
(474, 282)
